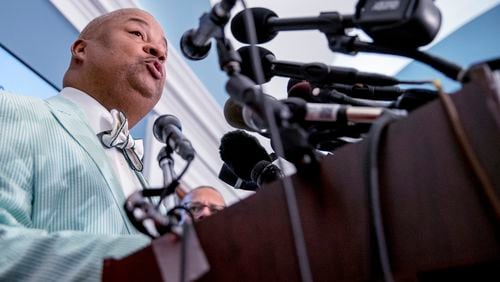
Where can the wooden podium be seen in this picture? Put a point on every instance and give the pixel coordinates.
(438, 224)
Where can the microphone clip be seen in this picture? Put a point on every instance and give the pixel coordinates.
(147, 218)
(297, 149)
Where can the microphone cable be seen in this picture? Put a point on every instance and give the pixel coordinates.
(371, 176)
(371, 180)
(291, 199)
(371, 172)
(470, 155)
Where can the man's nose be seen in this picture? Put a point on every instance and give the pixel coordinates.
(157, 51)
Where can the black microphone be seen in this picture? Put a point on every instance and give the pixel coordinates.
(195, 43)
(401, 24)
(229, 177)
(309, 93)
(406, 99)
(267, 24)
(313, 72)
(243, 154)
(167, 129)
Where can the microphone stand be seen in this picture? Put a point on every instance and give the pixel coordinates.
(244, 91)
(166, 163)
(147, 217)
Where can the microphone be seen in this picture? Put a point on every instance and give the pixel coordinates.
(233, 114)
(303, 111)
(228, 176)
(305, 91)
(267, 24)
(167, 129)
(243, 154)
(244, 118)
(195, 43)
(400, 24)
(313, 72)
(407, 99)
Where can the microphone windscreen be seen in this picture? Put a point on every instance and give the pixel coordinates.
(260, 18)
(241, 152)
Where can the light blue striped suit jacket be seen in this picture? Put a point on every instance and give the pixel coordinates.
(60, 203)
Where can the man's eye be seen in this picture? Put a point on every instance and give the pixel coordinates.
(138, 34)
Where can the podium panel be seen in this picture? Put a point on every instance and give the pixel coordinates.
(437, 221)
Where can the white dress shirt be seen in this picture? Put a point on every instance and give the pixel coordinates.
(101, 120)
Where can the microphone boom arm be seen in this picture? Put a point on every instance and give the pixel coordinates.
(352, 45)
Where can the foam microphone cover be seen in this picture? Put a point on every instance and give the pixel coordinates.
(241, 152)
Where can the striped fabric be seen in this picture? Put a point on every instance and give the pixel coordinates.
(60, 203)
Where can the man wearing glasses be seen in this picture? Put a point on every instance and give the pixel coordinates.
(203, 201)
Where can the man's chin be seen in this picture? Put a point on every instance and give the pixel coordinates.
(152, 92)
(153, 97)
(156, 90)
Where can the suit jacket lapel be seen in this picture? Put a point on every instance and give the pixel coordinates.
(74, 121)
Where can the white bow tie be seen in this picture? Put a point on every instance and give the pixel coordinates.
(120, 138)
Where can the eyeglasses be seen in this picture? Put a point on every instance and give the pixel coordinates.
(197, 207)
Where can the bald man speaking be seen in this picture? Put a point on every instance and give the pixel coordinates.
(68, 162)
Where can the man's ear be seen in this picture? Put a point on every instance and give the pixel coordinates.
(78, 50)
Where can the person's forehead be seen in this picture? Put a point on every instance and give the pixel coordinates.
(206, 194)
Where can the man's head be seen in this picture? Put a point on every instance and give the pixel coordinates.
(119, 59)
(203, 201)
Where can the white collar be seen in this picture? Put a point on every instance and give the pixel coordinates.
(98, 117)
